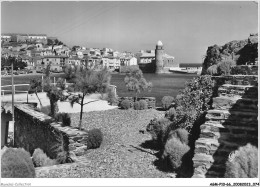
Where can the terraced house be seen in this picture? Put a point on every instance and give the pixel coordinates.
(56, 62)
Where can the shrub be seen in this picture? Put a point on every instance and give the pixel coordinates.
(17, 163)
(193, 100)
(150, 104)
(159, 130)
(41, 159)
(64, 118)
(174, 151)
(143, 105)
(125, 104)
(167, 102)
(181, 134)
(243, 163)
(171, 114)
(212, 70)
(62, 157)
(111, 97)
(95, 138)
(137, 105)
(135, 81)
(224, 67)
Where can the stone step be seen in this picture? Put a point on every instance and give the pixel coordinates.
(217, 114)
(237, 79)
(245, 91)
(242, 104)
(231, 115)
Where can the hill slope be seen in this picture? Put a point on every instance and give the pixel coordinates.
(241, 51)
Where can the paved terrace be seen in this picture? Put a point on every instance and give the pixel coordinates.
(63, 106)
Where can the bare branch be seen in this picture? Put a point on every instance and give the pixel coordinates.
(90, 102)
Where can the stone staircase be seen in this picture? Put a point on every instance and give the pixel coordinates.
(232, 122)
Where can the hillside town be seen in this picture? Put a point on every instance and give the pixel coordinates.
(39, 50)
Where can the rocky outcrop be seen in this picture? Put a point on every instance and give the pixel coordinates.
(231, 123)
(241, 51)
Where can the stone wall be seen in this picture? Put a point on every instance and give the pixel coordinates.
(34, 129)
(231, 123)
(151, 101)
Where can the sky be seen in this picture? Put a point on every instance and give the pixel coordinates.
(186, 29)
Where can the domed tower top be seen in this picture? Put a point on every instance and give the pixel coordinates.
(159, 43)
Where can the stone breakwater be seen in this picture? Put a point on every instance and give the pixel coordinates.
(34, 130)
(231, 123)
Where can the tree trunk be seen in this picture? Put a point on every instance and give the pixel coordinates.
(81, 111)
(135, 96)
(54, 107)
(38, 98)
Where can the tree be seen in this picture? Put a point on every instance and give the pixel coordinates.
(224, 67)
(49, 42)
(54, 92)
(135, 82)
(56, 41)
(35, 85)
(75, 47)
(89, 82)
(212, 70)
(17, 63)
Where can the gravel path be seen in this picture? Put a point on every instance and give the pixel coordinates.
(119, 155)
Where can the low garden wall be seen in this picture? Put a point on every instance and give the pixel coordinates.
(34, 130)
(151, 101)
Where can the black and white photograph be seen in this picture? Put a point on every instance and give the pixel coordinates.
(126, 93)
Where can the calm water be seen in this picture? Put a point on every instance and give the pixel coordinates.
(164, 84)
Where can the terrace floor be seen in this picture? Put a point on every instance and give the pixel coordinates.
(123, 152)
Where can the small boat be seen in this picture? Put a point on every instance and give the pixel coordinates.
(183, 70)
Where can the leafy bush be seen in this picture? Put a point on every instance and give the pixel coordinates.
(167, 102)
(143, 105)
(243, 163)
(125, 104)
(135, 81)
(181, 134)
(224, 67)
(41, 159)
(150, 104)
(159, 130)
(174, 151)
(171, 114)
(193, 100)
(17, 163)
(64, 118)
(212, 70)
(95, 138)
(111, 97)
(62, 157)
(137, 105)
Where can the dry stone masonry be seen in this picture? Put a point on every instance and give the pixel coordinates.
(34, 129)
(231, 123)
(151, 101)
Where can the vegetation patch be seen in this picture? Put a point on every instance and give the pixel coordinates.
(17, 163)
(243, 163)
(40, 159)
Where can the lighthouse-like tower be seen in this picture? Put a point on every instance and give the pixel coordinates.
(159, 52)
